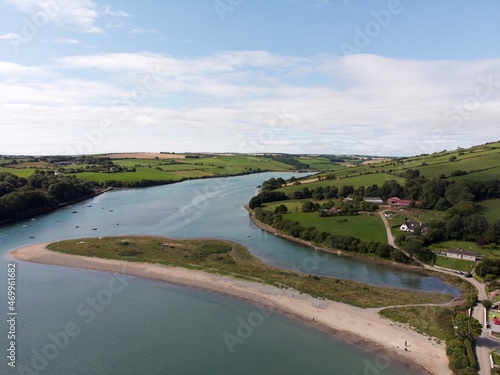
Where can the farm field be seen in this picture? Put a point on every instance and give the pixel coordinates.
(141, 173)
(161, 169)
(481, 162)
(468, 246)
(18, 171)
(293, 205)
(490, 209)
(356, 181)
(365, 227)
(321, 164)
(455, 264)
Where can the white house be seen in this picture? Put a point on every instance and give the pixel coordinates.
(462, 254)
(409, 226)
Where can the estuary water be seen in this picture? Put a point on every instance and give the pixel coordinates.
(148, 327)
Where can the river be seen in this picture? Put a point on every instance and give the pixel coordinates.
(156, 328)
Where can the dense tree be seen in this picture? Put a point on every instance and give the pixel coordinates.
(467, 327)
(457, 192)
(474, 226)
(345, 190)
(308, 206)
(492, 234)
(454, 227)
(281, 209)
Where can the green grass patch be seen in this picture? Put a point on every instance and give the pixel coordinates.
(141, 173)
(229, 258)
(490, 208)
(496, 357)
(293, 205)
(433, 321)
(487, 250)
(21, 172)
(321, 164)
(355, 180)
(455, 264)
(366, 227)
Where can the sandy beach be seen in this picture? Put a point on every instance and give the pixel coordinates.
(360, 326)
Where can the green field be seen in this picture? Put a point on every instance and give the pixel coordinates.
(481, 162)
(455, 264)
(415, 215)
(490, 209)
(427, 320)
(142, 173)
(365, 227)
(180, 169)
(321, 164)
(293, 205)
(161, 169)
(467, 246)
(18, 171)
(356, 181)
(229, 258)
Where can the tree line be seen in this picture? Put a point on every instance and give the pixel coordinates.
(463, 221)
(22, 197)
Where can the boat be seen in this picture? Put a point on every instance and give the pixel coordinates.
(74, 212)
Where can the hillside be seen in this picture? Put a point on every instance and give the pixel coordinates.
(454, 195)
(477, 163)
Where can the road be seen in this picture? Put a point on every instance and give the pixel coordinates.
(483, 344)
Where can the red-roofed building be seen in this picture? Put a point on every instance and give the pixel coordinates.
(399, 203)
(402, 203)
(392, 200)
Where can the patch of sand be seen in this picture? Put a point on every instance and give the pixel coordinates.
(362, 326)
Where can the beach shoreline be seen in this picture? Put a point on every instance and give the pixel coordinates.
(362, 327)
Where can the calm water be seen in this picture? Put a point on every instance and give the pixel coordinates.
(146, 327)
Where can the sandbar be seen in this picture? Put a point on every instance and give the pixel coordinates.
(364, 327)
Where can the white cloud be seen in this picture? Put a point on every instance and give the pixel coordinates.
(65, 41)
(109, 12)
(362, 104)
(139, 30)
(81, 15)
(11, 37)
(116, 24)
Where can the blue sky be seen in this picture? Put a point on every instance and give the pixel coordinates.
(393, 77)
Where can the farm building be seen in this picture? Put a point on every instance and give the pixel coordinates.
(462, 254)
(410, 226)
(399, 203)
(392, 200)
(373, 200)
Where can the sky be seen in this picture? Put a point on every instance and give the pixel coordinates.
(369, 77)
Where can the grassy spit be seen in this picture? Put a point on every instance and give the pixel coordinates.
(229, 258)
